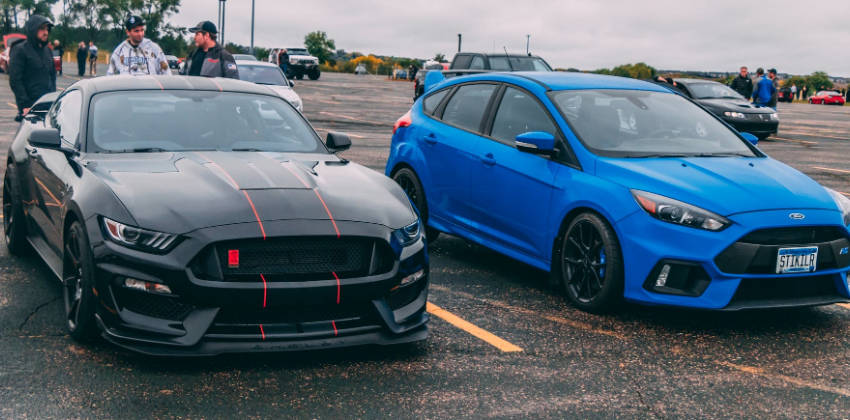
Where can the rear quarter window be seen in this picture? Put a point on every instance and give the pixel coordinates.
(432, 101)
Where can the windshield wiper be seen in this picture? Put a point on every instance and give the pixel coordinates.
(141, 150)
(249, 149)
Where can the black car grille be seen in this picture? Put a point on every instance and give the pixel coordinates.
(156, 306)
(292, 322)
(756, 252)
(785, 288)
(296, 259)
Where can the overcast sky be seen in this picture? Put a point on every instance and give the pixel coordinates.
(799, 36)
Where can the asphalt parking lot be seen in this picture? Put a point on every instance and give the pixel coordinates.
(502, 344)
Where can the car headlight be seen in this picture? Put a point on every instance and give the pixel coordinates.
(677, 212)
(843, 204)
(142, 239)
(408, 234)
(293, 61)
(774, 116)
(732, 114)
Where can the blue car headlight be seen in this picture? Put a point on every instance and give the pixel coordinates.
(676, 212)
(843, 204)
(138, 238)
(408, 234)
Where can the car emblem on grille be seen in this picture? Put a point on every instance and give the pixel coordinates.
(844, 251)
(797, 216)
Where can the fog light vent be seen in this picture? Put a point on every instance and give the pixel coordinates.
(677, 278)
(662, 276)
(146, 286)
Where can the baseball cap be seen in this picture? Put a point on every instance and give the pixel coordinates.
(133, 22)
(772, 71)
(205, 26)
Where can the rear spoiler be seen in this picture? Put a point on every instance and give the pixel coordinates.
(434, 77)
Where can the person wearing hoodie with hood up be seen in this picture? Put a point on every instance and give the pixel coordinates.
(31, 70)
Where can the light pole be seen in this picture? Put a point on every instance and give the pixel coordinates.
(527, 44)
(223, 7)
(252, 27)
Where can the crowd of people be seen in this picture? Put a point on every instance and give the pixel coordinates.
(33, 74)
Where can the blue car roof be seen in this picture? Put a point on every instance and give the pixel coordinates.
(556, 80)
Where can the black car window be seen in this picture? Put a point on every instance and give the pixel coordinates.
(520, 113)
(65, 117)
(461, 62)
(432, 101)
(499, 64)
(467, 106)
(178, 120)
(477, 63)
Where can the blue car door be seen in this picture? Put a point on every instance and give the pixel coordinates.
(449, 148)
(512, 190)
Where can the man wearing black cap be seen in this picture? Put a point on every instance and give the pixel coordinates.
(137, 55)
(31, 71)
(209, 58)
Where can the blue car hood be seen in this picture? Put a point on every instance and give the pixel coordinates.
(724, 185)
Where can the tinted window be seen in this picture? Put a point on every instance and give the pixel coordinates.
(174, 120)
(461, 62)
(713, 91)
(477, 63)
(467, 106)
(499, 64)
(65, 116)
(433, 100)
(633, 123)
(520, 113)
(264, 75)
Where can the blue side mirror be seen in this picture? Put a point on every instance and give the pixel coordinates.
(750, 138)
(538, 142)
(432, 78)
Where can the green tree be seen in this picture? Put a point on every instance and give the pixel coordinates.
(320, 46)
(439, 57)
(819, 81)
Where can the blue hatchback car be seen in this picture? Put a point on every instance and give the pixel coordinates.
(621, 189)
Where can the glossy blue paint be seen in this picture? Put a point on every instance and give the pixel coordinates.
(515, 202)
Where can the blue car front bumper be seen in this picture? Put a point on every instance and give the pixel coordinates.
(734, 269)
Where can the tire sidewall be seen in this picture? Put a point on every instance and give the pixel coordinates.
(16, 243)
(86, 327)
(612, 289)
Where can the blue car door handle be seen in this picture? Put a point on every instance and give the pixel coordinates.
(431, 138)
(488, 159)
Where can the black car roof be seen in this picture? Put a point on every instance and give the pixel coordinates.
(687, 81)
(497, 54)
(125, 83)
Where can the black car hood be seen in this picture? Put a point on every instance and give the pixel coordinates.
(737, 105)
(184, 191)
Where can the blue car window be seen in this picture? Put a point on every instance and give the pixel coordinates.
(632, 123)
(520, 113)
(430, 103)
(466, 107)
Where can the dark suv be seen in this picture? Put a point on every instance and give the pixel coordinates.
(499, 62)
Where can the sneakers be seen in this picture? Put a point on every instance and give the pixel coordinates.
(19, 118)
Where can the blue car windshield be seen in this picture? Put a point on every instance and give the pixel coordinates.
(633, 123)
(185, 120)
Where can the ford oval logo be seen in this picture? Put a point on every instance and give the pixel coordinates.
(797, 216)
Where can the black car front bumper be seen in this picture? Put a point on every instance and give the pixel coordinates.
(759, 125)
(209, 314)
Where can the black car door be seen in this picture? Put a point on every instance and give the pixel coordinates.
(49, 169)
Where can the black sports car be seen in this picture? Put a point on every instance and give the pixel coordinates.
(200, 216)
(731, 107)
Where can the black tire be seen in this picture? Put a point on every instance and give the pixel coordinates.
(409, 182)
(77, 284)
(299, 76)
(314, 74)
(762, 136)
(14, 224)
(591, 264)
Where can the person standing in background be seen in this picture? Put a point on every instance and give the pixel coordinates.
(31, 70)
(82, 57)
(58, 48)
(92, 58)
(743, 84)
(137, 55)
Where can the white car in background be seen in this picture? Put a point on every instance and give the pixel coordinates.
(272, 76)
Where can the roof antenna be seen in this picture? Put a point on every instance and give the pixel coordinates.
(508, 57)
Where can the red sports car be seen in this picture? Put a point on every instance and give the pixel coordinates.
(8, 41)
(827, 97)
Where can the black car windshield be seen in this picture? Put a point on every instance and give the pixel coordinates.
(712, 91)
(632, 123)
(297, 51)
(500, 63)
(264, 75)
(184, 120)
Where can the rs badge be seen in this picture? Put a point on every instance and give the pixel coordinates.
(844, 251)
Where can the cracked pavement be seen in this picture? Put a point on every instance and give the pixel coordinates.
(638, 363)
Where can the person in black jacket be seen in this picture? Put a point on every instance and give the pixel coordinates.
(82, 58)
(31, 70)
(209, 58)
(743, 84)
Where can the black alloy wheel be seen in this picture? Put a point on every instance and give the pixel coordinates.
(77, 284)
(409, 182)
(591, 264)
(14, 229)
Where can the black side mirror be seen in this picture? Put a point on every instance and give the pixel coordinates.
(47, 138)
(338, 142)
(291, 84)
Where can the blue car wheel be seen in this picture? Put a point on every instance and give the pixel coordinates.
(591, 264)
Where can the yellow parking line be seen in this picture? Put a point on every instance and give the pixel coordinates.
(487, 337)
(793, 140)
(844, 305)
(847, 194)
(786, 379)
(842, 171)
(813, 135)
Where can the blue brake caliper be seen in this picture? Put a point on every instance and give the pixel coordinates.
(602, 261)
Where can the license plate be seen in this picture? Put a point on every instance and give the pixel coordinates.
(797, 260)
